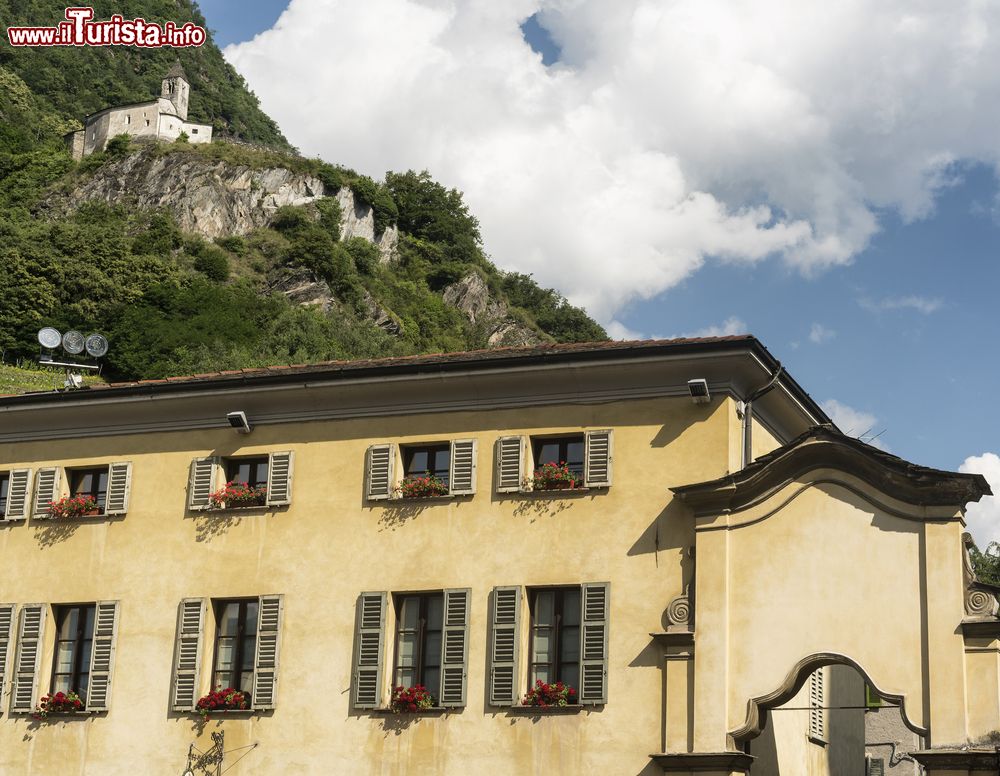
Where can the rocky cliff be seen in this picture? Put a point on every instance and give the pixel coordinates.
(213, 198)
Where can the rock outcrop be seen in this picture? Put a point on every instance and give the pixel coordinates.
(214, 198)
(472, 296)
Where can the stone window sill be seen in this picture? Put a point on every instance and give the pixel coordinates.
(574, 708)
(433, 711)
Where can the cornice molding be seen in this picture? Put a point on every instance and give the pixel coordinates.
(673, 762)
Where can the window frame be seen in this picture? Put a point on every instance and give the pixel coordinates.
(536, 441)
(408, 451)
(255, 462)
(75, 472)
(218, 610)
(558, 611)
(78, 671)
(422, 632)
(5, 477)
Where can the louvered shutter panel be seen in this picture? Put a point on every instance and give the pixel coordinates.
(597, 459)
(119, 488)
(102, 655)
(187, 654)
(18, 490)
(30, 628)
(379, 464)
(505, 632)
(817, 712)
(462, 477)
(279, 479)
(368, 647)
(46, 491)
(265, 667)
(6, 632)
(510, 464)
(594, 644)
(455, 648)
(201, 483)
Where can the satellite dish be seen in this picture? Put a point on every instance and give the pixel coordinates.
(72, 342)
(97, 345)
(49, 337)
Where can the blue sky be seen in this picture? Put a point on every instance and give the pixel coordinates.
(873, 272)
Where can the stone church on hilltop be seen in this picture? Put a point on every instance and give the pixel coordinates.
(164, 118)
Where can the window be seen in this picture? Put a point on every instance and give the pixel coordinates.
(271, 473)
(74, 641)
(235, 644)
(14, 487)
(559, 450)
(419, 624)
(817, 706)
(83, 649)
(567, 638)
(431, 645)
(555, 636)
(587, 455)
(428, 460)
(128, 118)
(873, 701)
(90, 482)
(452, 463)
(194, 130)
(246, 633)
(147, 122)
(4, 491)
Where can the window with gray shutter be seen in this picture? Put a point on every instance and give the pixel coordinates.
(102, 655)
(505, 638)
(594, 644)
(876, 766)
(510, 464)
(30, 629)
(817, 703)
(379, 465)
(18, 491)
(369, 640)
(187, 654)
(462, 477)
(6, 635)
(597, 459)
(455, 647)
(201, 483)
(279, 479)
(47, 489)
(265, 668)
(119, 488)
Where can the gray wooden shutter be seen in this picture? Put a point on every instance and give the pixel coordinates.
(102, 655)
(201, 483)
(817, 702)
(594, 644)
(455, 647)
(187, 654)
(18, 490)
(462, 476)
(6, 634)
(265, 667)
(597, 459)
(368, 648)
(510, 464)
(119, 488)
(505, 639)
(30, 629)
(46, 491)
(379, 464)
(279, 479)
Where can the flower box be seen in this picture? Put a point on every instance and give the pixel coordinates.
(223, 701)
(74, 506)
(428, 486)
(553, 476)
(239, 495)
(544, 695)
(57, 704)
(411, 700)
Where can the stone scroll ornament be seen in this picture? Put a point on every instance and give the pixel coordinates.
(679, 613)
(981, 603)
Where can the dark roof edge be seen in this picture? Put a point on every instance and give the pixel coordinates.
(438, 363)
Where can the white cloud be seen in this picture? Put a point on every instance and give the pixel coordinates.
(919, 303)
(855, 423)
(727, 328)
(983, 517)
(670, 132)
(619, 331)
(819, 334)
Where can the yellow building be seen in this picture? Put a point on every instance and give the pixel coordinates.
(701, 552)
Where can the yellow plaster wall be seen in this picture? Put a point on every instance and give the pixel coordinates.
(326, 548)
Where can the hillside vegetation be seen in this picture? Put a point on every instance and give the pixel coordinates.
(175, 303)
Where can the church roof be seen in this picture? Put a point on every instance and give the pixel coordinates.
(176, 71)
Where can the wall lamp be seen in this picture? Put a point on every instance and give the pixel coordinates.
(238, 420)
(699, 391)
